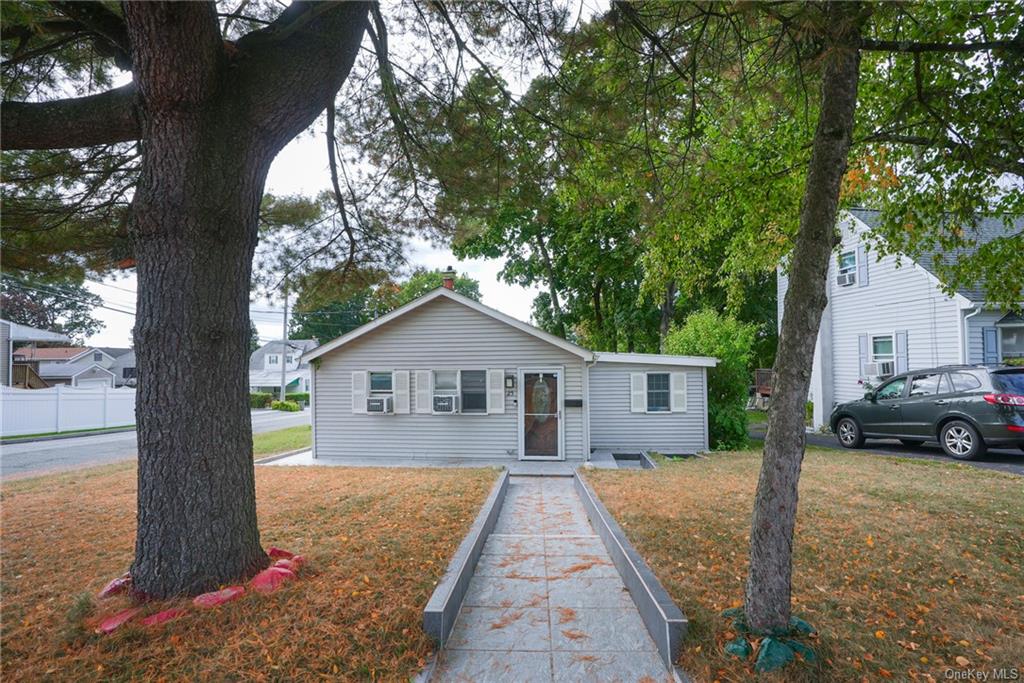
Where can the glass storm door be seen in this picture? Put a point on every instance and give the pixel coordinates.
(542, 416)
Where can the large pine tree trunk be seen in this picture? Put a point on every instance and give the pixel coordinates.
(769, 587)
(210, 130)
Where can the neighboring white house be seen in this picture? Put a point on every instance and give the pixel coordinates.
(72, 365)
(889, 315)
(447, 377)
(12, 333)
(265, 366)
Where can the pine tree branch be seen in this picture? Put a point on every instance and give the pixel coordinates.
(77, 122)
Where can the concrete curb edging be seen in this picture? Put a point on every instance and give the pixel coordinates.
(647, 461)
(663, 619)
(13, 440)
(443, 606)
(280, 456)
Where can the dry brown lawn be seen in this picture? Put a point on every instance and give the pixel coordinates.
(906, 568)
(377, 540)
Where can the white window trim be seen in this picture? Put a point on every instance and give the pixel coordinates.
(999, 340)
(458, 390)
(370, 392)
(872, 358)
(647, 378)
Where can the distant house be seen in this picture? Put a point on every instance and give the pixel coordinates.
(889, 315)
(123, 367)
(76, 366)
(18, 375)
(265, 366)
(447, 377)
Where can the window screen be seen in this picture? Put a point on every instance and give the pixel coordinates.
(446, 382)
(658, 392)
(380, 382)
(474, 391)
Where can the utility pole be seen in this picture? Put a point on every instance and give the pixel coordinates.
(284, 341)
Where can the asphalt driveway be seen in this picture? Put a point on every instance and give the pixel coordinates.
(39, 457)
(999, 459)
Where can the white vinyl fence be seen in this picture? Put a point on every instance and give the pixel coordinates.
(65, 408)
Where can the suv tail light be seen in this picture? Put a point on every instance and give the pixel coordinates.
(1004, 399)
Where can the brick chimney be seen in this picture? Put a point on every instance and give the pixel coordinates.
(449, 278)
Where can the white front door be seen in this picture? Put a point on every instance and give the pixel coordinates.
(540, 414)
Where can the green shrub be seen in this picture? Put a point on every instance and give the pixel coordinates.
(707, 333)
(298, 396)
(260, 399)
(286, 406)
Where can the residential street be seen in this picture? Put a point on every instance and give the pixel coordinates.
(999, 459)
(38, 457)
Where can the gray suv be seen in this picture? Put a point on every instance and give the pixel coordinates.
(966, 408)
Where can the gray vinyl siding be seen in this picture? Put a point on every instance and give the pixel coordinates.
(898, 297)
(441, 334)
(975, 324)
(613, 427)
(5, 354)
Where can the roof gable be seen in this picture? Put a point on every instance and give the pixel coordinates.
(442, 292)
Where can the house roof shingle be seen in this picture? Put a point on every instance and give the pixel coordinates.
(987, 229)
(53, 353)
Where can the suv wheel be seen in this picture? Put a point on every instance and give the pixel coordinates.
(849, 433)
(961, 441)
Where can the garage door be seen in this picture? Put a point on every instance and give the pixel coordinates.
(92, 383)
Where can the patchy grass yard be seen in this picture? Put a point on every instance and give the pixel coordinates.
(282, 440)
(377, 540)
(904, 566)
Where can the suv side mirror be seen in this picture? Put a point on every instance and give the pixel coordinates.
(869, 396)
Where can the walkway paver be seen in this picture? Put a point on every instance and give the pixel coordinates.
(545, 602)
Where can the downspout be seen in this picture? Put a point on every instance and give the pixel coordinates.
(965, 337)
(587, 364)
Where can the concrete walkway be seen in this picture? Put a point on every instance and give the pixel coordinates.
(546, 603)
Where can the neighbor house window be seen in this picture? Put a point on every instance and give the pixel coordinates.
(658, 399)
(380, 383)
(98, 356)
(272, 359)
(882, 353)
(127, 373)
(1011, 341)
(474, 391)
(847, 268)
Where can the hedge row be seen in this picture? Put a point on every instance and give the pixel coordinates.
(298, 396)
(260, 399)
(287, 406)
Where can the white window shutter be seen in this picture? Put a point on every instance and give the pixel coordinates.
(423, 393)
(359, 380)
(637, 392)
(677, 386)
(401, 391)
(495, 391)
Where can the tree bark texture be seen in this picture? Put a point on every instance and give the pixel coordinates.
(211, 123)
(768, 587)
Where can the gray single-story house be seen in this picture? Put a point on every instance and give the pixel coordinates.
(447, 377)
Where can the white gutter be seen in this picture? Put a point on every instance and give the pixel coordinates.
(965, 337)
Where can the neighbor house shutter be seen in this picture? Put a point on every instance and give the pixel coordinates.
(495, 391)
(677, 385)
(901, 351)
(401, 391)
(359, 380)
(862, 350)
(862, 266)
(637, 393)
(423, 398)
(989, 345)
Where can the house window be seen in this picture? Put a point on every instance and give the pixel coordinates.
(272, 359)
(474, 391)
(380, 383)
(97, 356)
(847, 268)
(446, 382)
(658, 400)
(882, 354)
(127, 373)
(291, 359)
(1011, 341)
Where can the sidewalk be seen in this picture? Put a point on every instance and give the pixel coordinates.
(546, 603)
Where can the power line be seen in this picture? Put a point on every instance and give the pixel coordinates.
(70, 297)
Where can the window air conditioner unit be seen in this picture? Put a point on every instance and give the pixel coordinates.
(379, 404)
(846, 279)
(871, 369)
(886, 368)
(446, 404)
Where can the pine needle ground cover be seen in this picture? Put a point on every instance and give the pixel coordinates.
(906, 568)
(376, 542)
